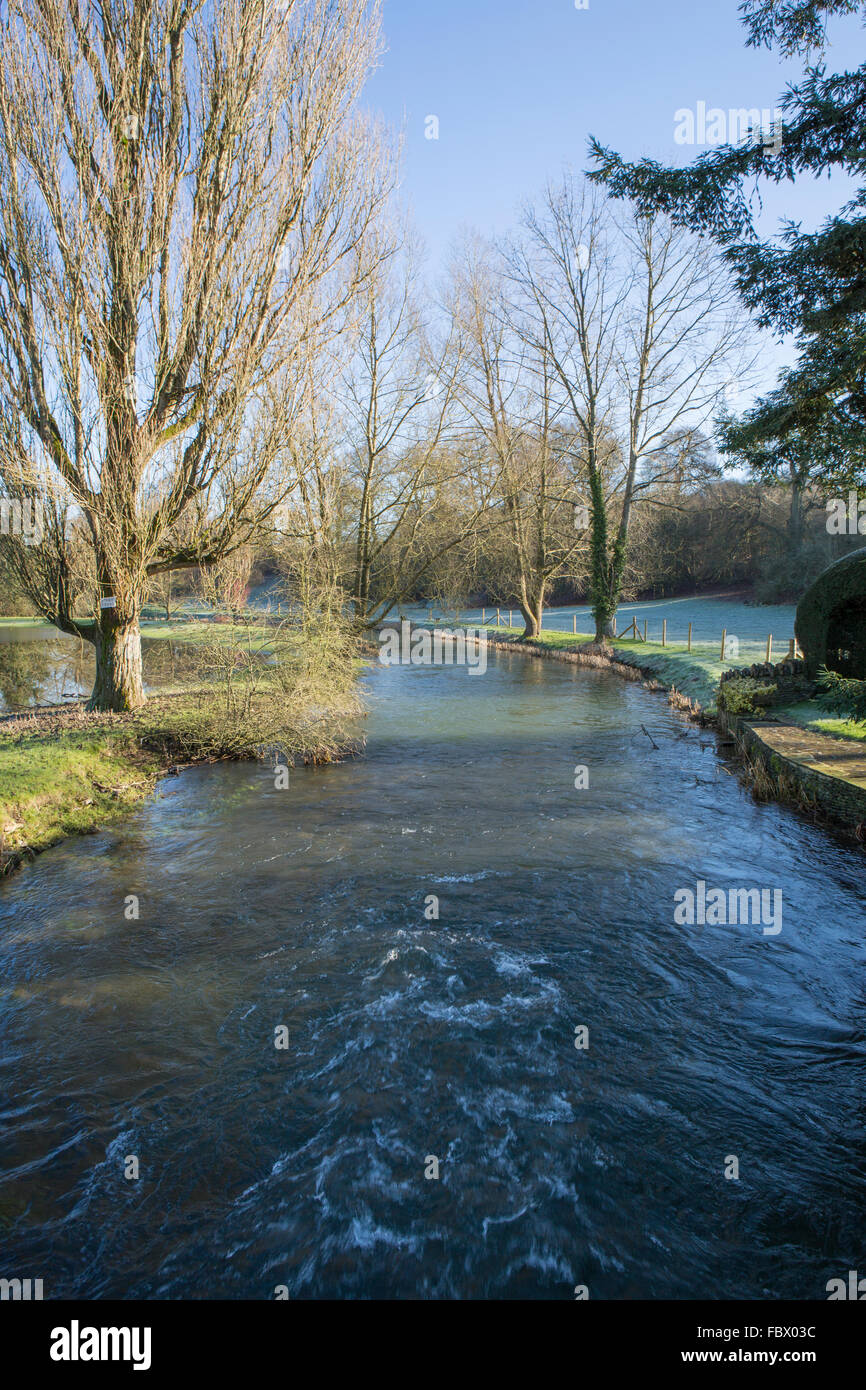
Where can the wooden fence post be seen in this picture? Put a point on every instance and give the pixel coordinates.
(483, 616)
(690, 636)
(644, 629)
(724, 640)
(510, 616)
(574, 623)
(664, 632)
(497, 617)
(769, 648)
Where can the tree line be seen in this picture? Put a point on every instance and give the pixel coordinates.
(217, 342)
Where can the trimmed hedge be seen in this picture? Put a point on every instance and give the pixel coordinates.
(839, 583)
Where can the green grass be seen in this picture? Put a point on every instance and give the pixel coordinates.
(15, 623)
(69, 772)
(156, 628)
(65, 781)
(251, 637)
(177, 632)
(810, 715)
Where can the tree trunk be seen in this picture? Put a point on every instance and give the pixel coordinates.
(118, 685)
(599, 564)
(795, 516)
(531, 612)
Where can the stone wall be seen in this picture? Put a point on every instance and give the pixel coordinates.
(791, 679)
(841, 801)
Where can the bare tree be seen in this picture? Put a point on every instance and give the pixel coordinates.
(565, 270)
(638, 321)
(508, 391)
(182, 187)
(682, 335)
(398, 464)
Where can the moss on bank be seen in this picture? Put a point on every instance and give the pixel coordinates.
(66, 774)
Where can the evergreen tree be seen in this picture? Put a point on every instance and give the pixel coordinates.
(811, 285)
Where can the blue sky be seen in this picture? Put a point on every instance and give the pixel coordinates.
(517, 86)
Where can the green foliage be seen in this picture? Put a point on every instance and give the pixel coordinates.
(745, 695)
(284, 689)
(602, 599)
(811, 285)
(793, 26)
(65, 774)
(843, 695)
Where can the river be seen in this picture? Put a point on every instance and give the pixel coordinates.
(451, 1039)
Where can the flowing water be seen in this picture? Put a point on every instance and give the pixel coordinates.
(412, 1039)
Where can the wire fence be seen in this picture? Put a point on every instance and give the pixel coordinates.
(728, 645)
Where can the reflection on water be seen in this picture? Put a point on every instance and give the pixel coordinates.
(40, 667)
(454, 1038)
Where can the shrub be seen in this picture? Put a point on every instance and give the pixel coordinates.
(745, 695)
(842, 695)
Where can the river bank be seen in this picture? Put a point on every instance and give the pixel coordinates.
(797, 756)
(690, 678)
(71, 771)
(236, 691)
(65, 771)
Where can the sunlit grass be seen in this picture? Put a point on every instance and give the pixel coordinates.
(695, 674)
(57, 782)
(810, 715)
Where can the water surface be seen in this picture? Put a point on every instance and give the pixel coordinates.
(453, 1038)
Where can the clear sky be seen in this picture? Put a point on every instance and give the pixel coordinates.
(518, 85)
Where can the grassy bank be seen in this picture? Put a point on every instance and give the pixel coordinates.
(69, 772)
(66, 774)
(189, 630)
(247, 691)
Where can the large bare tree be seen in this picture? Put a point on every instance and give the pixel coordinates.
(181, 188)
(509, 393)
(385, 490)
(640, 326)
